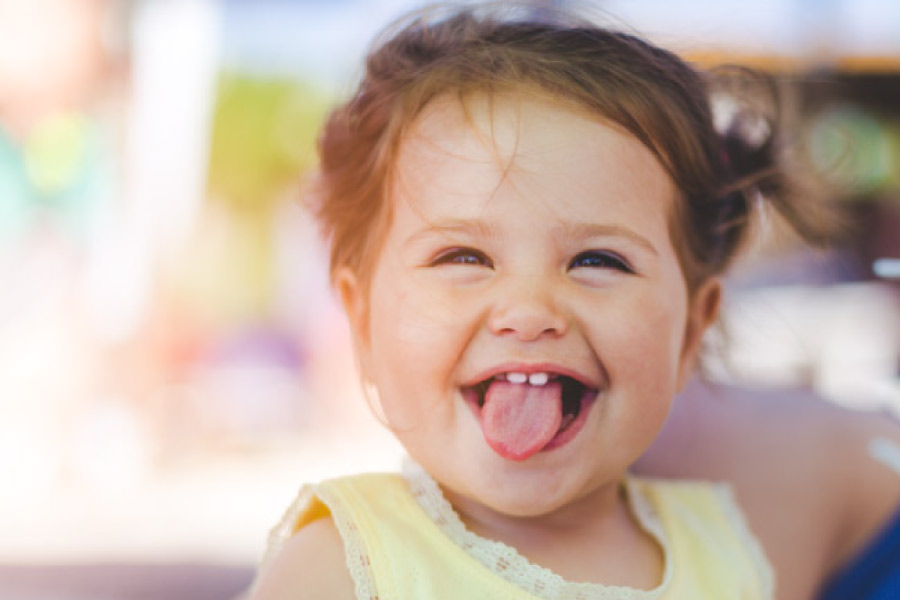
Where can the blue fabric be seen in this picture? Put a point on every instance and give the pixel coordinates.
(874, 574)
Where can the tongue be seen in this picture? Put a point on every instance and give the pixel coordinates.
(518, 420)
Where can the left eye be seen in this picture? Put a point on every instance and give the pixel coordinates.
(597, 259)
(462, 256)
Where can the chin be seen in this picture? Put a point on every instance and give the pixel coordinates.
(531, 494)
(527, 508)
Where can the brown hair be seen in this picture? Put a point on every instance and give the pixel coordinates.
(520, 46)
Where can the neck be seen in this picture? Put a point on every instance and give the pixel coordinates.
(593, 539)
(602, 505)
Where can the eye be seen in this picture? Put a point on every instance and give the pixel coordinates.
(600, 259)
(462, 256)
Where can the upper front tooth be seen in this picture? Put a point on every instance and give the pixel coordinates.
(516, 377)
(538, 378)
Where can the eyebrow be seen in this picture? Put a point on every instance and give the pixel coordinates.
(475, 228)
(566, 231)
(590, 230)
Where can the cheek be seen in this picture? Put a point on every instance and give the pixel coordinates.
(646, 336)
(643, 363)
(417, 337)
(405, 317)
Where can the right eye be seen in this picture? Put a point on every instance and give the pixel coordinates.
(462, 256)
(601, 259)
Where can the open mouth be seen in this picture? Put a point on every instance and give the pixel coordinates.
(523, 414)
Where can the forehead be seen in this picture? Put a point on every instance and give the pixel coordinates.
(534, 147)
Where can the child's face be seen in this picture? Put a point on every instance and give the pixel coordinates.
(526, 238)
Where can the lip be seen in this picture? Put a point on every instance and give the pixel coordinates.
(529, 368)
(562, 438)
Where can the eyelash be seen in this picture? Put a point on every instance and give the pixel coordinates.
(593, 259)
(462, 256)
(600, 260)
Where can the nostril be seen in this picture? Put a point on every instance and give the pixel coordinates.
(528, 321)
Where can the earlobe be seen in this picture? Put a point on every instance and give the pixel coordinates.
(702, 313)
(353, 299)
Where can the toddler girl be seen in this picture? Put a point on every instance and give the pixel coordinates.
(528, 217)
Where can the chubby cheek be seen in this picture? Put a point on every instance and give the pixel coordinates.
(642, 358)
(416, 339)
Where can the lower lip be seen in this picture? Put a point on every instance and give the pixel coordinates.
(562, 437)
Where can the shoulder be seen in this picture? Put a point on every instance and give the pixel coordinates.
(707, 508)
(310, 565)
(801, 467)
(867, 468)
(816, 456)
(307, 549)
(827, 456)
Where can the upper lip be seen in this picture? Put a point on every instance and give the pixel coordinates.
(529, 368)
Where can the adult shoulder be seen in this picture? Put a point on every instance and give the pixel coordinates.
(801, 469)
(867, 467)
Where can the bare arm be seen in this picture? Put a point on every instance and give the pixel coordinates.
(801, 468)
(873, 484)
(310, 566)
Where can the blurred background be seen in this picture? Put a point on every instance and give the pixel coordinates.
(172, 362)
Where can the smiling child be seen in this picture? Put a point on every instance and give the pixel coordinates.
(528, 216)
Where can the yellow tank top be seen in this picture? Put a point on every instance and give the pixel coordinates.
(404, 541)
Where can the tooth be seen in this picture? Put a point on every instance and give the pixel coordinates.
(538, 378)
(516, 377)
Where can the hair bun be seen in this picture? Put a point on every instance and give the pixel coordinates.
(745, 106)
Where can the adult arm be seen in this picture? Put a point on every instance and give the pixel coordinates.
(801, 468)
(868, 562)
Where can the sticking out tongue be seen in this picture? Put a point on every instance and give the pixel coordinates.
(518, 420)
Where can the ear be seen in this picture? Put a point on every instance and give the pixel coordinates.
(702, 312)
(355, 303)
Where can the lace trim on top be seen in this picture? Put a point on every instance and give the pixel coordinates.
(757, 555)
(357, 559)
(358, 562)
(507, 563)
(279, 534)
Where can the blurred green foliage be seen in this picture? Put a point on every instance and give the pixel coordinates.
(856, 150)
(263, 138)
(263, 141)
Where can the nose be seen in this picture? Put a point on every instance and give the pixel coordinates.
(527, 310)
